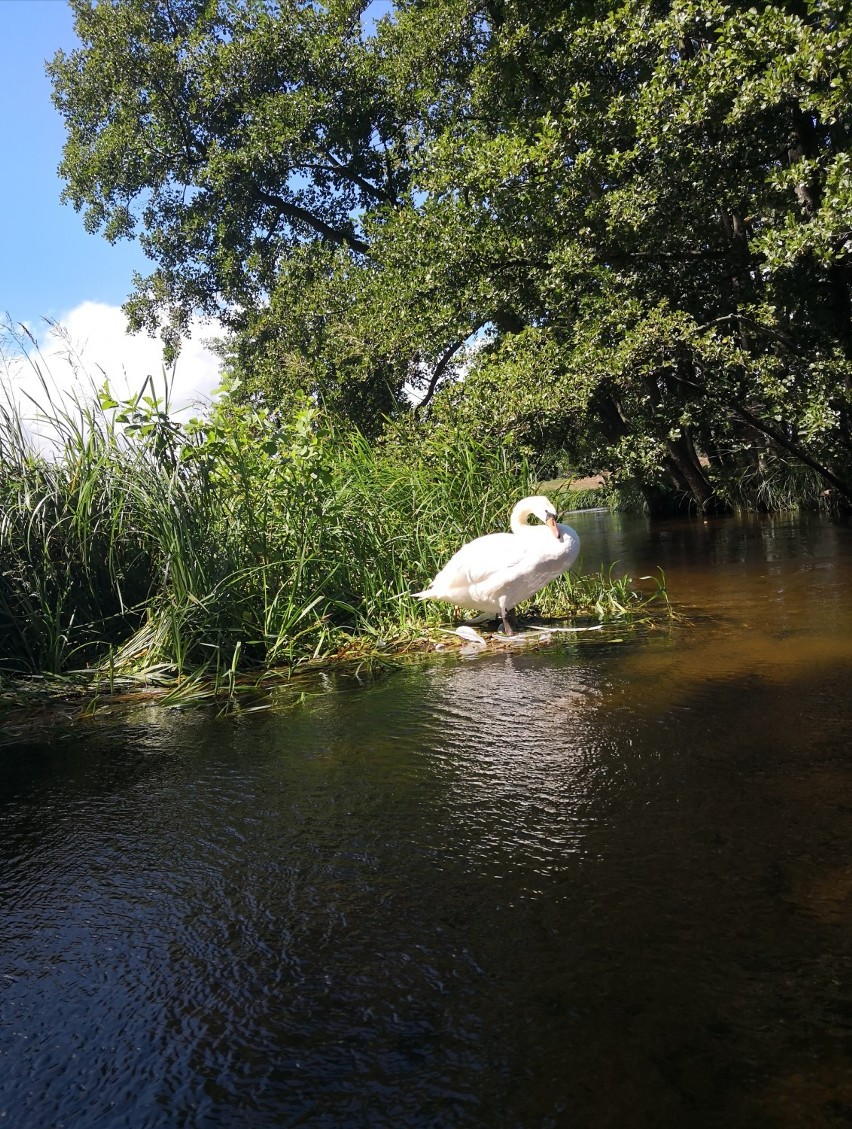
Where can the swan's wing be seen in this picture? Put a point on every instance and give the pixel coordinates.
(479, 560)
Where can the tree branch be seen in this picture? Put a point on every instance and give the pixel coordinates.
(441, 368)
(789, 445)
(302, 215)
(348, 174)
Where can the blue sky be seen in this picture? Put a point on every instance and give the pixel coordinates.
(48, 262)
(50, 267)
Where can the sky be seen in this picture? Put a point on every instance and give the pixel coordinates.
(50, 267)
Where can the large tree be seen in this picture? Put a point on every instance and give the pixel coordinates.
(247, 144)
(643, 211)
(657, 202)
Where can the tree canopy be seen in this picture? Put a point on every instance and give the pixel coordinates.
(622, 232)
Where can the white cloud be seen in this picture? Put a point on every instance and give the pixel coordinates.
(90, 345)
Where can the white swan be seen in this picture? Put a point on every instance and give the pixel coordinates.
(494, 573)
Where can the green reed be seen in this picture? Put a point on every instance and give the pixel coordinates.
(139, 546)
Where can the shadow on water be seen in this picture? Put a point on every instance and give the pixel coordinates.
(607, 885)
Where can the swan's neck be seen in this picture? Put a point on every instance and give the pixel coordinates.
(519, 521)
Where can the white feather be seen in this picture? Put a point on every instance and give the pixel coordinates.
(471, 635)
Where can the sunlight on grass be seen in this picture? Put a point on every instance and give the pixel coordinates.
(214, 551)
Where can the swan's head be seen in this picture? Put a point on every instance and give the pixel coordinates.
(542, 508)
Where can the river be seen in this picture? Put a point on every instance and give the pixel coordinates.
(606, 883)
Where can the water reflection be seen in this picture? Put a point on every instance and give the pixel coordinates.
(600, 886)
(516, 742)
(705, 544)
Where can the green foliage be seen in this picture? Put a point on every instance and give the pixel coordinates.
(241, 541)
(222, 134)
(673, 241)
(625, 225)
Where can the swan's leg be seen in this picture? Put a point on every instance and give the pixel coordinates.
(506, 616)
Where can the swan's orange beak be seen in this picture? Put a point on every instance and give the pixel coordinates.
(550, 521)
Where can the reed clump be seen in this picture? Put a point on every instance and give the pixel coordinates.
(137, 546)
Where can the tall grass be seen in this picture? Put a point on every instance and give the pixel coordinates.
(774, 481)
(140, 545)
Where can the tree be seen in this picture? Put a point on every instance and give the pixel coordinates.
(659, 199)
(226, 136)
(247, 144)
(638, 214)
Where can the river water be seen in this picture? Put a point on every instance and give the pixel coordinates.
(603, 884)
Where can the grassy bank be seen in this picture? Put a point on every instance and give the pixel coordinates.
(138, 548)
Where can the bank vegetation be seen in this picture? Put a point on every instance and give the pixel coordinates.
(139, 550)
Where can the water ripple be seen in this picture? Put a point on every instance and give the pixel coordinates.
(587, 887)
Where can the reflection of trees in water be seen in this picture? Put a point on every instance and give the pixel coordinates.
(607, 537)
(638, 544)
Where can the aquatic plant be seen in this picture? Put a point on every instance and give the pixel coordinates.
(140, 547)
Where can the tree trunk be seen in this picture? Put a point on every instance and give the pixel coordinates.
(690, 485)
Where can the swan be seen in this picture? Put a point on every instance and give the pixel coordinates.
(496, 572)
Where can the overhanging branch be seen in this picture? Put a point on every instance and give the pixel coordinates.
(790, 445)
(441, 368)
(302, 215)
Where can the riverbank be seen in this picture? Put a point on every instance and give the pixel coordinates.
(193, 557)
(31, 706)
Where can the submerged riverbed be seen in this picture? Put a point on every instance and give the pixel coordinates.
(606, 884)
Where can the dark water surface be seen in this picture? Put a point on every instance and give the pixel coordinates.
(605, 885)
